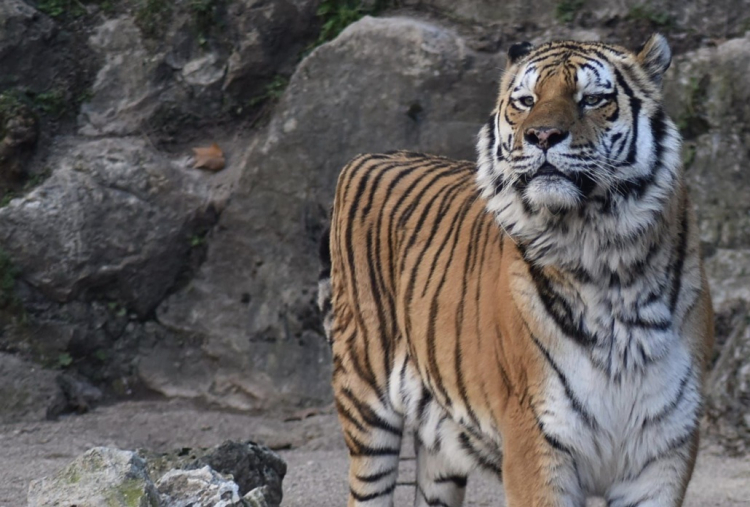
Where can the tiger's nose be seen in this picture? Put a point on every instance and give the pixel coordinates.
(544, 137)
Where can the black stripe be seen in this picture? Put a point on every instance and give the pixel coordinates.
(671, 406)
(558, 308)
(434, 368)
(379, 294)
(359, 449)
(369, 416)
(459, 480)
(577, 405)
(432, 502)
(372, 496)
(481, 459)
(376, 476)
(347, 414)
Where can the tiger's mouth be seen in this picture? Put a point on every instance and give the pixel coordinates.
(549, 187)
(548, 169)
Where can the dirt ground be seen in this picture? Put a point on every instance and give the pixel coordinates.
(312, 447)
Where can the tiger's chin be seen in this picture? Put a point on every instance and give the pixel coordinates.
(555, 194)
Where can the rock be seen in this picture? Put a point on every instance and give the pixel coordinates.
(125, 92)
(201, 487)
(76, 395)
(252, 466)
(116, 219)
(268, 39)
(18, 135)
(704, 97)
(253, 300)
(712, 19)
(102, 477)
(26, 390)
(24, 31)
(257, 497)
(729, 386)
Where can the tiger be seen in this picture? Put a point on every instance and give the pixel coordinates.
(541, 314)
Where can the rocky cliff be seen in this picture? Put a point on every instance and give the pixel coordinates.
(123, 264)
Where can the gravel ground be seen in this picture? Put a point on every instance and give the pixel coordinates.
(312, 447)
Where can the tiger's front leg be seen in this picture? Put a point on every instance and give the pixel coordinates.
(538, 471)
(662, 479)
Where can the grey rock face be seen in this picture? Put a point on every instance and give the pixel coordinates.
(24, 32)
(383, 84)
(707, 96)
(115, 216)
(269, 36)
(728, 407)
(125, 92)
(102, 477)
(715, 19)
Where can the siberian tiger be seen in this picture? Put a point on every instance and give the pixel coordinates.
(543, 312)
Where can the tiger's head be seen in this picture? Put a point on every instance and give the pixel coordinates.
(579, 131)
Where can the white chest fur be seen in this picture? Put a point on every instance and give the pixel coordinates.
(619, 401)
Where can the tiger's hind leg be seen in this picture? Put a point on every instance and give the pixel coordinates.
(372, 427)
(373, 435)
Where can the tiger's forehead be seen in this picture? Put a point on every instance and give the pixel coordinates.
(568, 67)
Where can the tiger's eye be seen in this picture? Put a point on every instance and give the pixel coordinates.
(592, 100)
(527, 101)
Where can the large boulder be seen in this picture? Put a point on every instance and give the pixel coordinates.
(114, 219)
(102, 477)
(383, 84)
(707, 96)
(251, 465)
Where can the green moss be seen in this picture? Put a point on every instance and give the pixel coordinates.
(692, 120)
(206, 18)
(272, 93)
(62, 8)
(566, 10)
(335, 15)
(152, 16)
(655, 17)
(53, 102)
(127, 494)
(71, 9)
(11, 103)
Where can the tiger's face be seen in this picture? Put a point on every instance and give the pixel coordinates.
(579, 126)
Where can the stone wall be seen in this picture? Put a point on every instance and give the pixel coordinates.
(138, 271)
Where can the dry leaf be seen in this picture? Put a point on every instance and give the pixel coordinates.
(211, 158)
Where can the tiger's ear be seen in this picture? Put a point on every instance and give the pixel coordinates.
(518, 51)
(655, 57)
